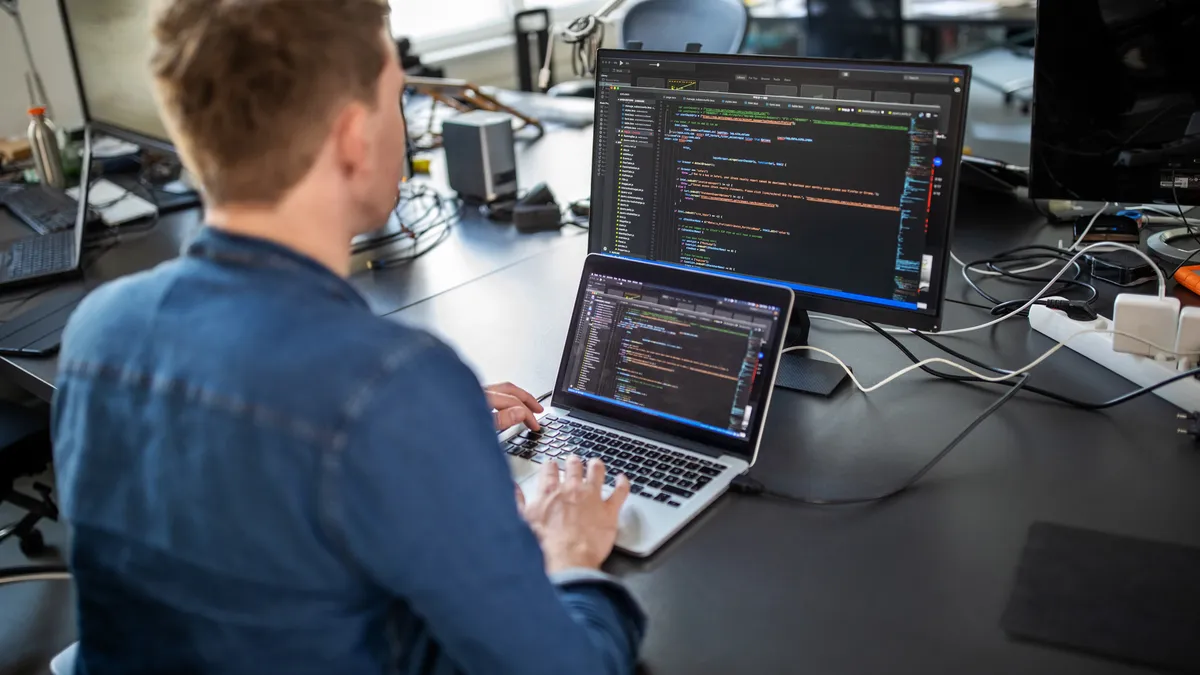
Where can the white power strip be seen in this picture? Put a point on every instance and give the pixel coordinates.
(1140, 370)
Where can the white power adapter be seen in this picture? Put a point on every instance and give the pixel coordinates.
(1149, 317)
(1187, 341)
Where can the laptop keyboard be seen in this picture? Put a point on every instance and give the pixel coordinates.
(47, 254)
(656, 473)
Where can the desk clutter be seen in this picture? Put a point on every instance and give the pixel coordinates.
(836, 182)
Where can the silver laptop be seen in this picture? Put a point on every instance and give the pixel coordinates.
(667, 377)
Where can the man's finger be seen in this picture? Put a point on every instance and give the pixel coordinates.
(528, 399)
(547, 481)
(595, 473)
(510, 417)
(574, 471)
(520, 498)
(619, 494)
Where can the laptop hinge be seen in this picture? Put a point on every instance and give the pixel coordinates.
(659, 436)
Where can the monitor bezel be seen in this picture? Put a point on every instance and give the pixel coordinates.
(99, 126)
(906, 318)
(697, 281)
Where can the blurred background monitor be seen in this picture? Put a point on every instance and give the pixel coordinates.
(110, 44)
(1117, 113)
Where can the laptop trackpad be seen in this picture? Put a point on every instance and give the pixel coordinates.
(522, 469)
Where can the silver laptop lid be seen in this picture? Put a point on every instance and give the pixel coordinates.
(686, 353)
(85, 185)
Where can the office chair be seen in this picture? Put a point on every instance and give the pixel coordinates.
(717, 26)
(856, 29)
(25, 451)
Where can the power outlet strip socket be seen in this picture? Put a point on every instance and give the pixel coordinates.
(1141, 370)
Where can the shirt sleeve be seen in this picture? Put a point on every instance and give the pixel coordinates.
(426, 506)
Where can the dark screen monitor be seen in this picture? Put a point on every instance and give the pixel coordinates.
(110, 46)
(1117, 101)
(836, 178)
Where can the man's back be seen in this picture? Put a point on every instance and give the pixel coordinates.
(261, 476)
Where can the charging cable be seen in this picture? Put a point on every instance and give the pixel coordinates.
(1091, 224)
(1009, 375)
(744, 484)
(1106, 245)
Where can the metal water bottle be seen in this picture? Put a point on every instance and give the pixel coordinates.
(46, 155)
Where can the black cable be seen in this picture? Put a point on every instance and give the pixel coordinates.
(964, 303)
(1073, 402)
(1020, 256)
(747, 485)
(1178, 205)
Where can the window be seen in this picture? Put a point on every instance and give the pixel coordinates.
(421, 20)
(441, 24)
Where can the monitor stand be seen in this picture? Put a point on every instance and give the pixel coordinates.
(800, 371)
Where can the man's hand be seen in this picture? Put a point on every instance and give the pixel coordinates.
(513, 405)
(577, 527)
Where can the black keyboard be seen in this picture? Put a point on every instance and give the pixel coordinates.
(45, 210)
(657, 473)
(38, 256)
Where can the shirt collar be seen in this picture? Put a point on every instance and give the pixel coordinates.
(251, 252)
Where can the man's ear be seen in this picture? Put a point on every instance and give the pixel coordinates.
(349, 137)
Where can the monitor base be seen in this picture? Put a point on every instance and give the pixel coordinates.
(799, 371)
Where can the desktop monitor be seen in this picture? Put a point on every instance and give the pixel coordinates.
(110, 45)
(836, 178)
(1117, 102)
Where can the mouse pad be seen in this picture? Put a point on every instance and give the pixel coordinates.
(1129, 599)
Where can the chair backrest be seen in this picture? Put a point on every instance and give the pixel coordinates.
(856, 29)
(719, 26)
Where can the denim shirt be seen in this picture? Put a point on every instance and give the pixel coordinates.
(263, 477)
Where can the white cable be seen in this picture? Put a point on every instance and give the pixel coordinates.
(986, 378)
(1162, 284)
(1041, 266)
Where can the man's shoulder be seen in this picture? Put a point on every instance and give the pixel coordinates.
(172, 318)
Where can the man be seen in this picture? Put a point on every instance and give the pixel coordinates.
(260, 475)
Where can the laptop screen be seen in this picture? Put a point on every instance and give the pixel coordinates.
(675, 357)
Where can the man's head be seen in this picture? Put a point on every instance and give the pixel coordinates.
(267, 97)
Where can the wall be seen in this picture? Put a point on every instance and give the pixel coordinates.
(44, 26)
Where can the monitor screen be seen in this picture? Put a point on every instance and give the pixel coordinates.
(837, 178)
(671, 353)
(1117, 102)
(111, 43)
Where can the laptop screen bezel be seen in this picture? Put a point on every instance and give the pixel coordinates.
(692, 281)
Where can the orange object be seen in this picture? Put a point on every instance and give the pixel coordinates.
(37, 111)
(1189, 278)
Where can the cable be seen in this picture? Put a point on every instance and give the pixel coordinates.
(1071, 249)
(747, 485)
(1003, 377)
(17, 575)
(1021, 255)
(1162, 284)
(1076, 403)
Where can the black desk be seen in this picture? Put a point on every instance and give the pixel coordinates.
(916, 585)
(477, 247)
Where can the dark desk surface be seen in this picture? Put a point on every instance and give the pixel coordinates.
(916, 585)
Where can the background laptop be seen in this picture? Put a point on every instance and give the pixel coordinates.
(666, 376)
(55, 256)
